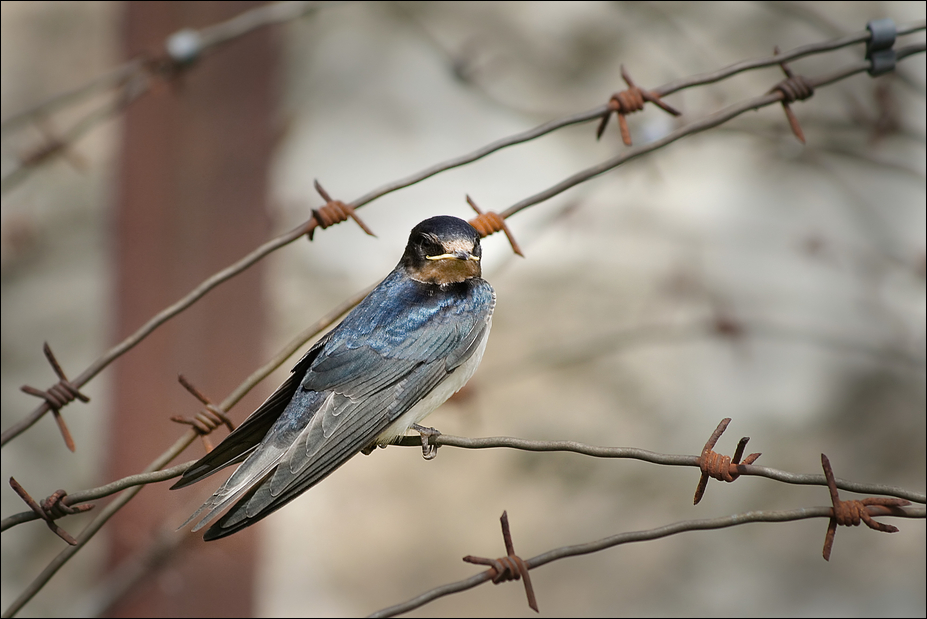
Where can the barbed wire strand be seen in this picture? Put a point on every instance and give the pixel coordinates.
(644, 455)
(135, 77)
(96, 524)
(698, 126)
(155, 468)
(725, 114)
(769, 61)
(497, 442)
(210, 38)
(153, 475)
(710, 121)
(707, 122)
(641, 536)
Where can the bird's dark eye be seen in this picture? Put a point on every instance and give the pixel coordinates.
(430, 247)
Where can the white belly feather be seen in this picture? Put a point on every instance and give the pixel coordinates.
(444, 390)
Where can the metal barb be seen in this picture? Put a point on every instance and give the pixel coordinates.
(207, 419)
(722, 468)
(54, 505)
(851, 513)
(52, 144)
(793, 88)
(627, 102)
(57, 396)
(490, 222)
(334, 212)
(41, 513)
(509, 567)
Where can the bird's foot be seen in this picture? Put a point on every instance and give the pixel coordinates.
(429, 449)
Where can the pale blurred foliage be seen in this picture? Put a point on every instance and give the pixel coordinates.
(735, 274)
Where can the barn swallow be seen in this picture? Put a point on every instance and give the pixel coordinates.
(405, 349)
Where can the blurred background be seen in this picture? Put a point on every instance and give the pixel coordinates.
(735, 273)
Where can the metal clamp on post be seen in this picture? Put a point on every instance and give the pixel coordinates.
(879, 48)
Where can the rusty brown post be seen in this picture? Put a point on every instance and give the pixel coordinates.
(191, 199)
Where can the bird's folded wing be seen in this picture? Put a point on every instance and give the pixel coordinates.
(247, 436)
(274, 475)
(347, 396)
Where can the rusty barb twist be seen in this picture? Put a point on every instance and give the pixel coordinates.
(722, 468)
(207, 419)
(630, 101)
(51, 508)
(334, 212)
(793, 88)
(509, 567)
(851, 513)
(490, 222)
(58, 396)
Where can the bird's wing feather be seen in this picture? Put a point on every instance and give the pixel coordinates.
(311, 457)
(367, 374)
(247, 436)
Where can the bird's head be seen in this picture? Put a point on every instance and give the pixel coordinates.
(443, 250)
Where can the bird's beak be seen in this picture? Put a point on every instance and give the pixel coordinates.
(457, 255)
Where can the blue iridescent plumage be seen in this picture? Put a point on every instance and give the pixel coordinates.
(413, 341)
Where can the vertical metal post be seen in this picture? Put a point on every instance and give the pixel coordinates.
(191, 199)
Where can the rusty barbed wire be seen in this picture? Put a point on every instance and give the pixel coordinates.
(491, 222)
(68, 504)
(637, 536)
(507, 568)
(706, 123)
(627, 102)
(102, 517)
(508, 442)
(207, 419)
(53, 505)
(722, 468)
(154, 473)
(133, 484)
(854, 38)
(793, 88)
(156, 321)
(334, 212)
(58, 395)
(644, 455)
(903, 52)
(850, 513)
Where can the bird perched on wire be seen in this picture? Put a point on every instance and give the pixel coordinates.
(404, 350)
